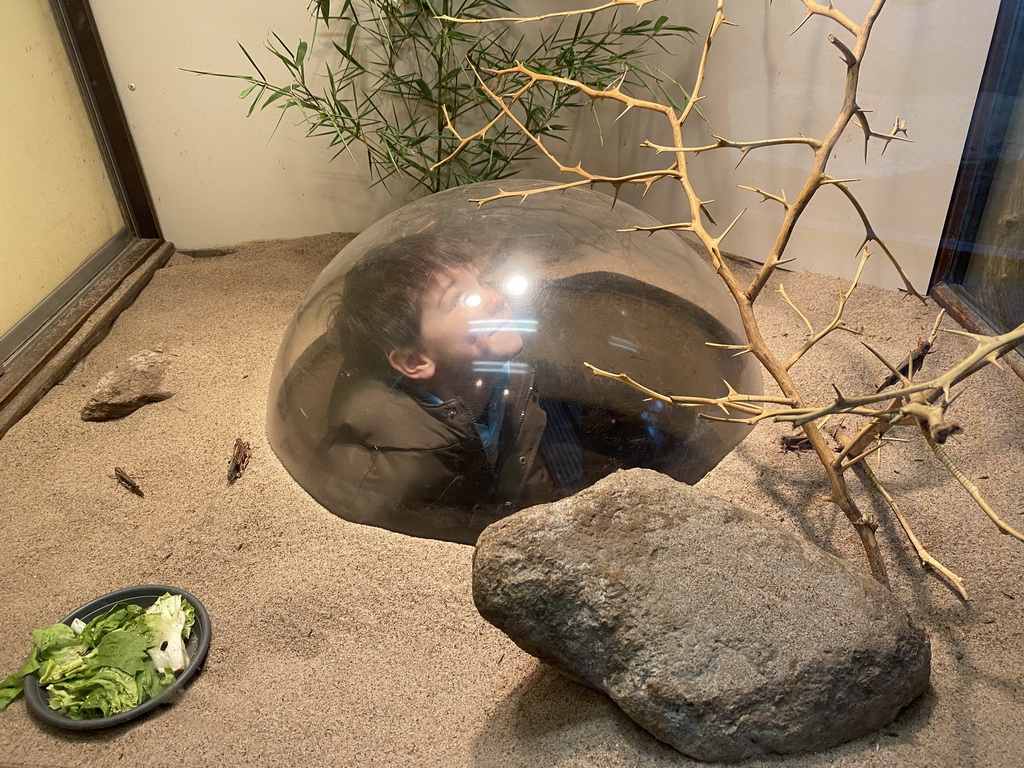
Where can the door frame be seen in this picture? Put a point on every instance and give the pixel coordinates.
(96, 82)
(28, 351)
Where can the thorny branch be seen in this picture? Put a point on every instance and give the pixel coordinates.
(844, 296)
(968, 484)
(925, 410)
(638, 4)
(926, 559)
(923, 403)
(874, 430)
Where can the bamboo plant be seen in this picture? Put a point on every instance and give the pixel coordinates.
(392, 74)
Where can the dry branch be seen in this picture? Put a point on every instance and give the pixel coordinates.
(912, 402)
(927, 561)
(844, 296)
(638, 4)
(969, 486)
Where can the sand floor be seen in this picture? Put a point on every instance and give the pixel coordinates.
(342, 645)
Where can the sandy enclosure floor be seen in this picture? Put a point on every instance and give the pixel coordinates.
(336, 644)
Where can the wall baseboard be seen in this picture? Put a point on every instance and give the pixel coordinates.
(957, 303)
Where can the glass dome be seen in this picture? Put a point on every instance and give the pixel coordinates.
(432, 380)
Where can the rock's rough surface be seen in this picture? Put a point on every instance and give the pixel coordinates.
(720, 633)
(128, 387)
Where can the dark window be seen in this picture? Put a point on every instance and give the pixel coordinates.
(979, 274)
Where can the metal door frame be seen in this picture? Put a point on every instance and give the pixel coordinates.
(138, 249)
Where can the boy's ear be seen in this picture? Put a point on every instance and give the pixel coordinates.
(412, 364)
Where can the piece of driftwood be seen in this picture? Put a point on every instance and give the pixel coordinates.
(126, 482)
(909, 367)
(795, 442)
(239, 460)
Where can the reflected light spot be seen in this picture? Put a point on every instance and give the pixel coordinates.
(496, 366)
(517, 285)
(621, 343)
(473, 300)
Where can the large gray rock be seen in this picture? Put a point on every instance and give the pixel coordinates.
(720, 633)
(129, 386)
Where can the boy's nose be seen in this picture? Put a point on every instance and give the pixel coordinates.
(493, 301)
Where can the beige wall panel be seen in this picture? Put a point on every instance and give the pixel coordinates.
(216, 177)
(924, 64)
(220, 178)
(57, 206)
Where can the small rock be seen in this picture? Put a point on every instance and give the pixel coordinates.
(128, 387)
(718, 631)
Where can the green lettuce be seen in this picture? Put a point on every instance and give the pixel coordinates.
(60, 652)
(105, 692)
(12, 685)
(166, 620)
(121, 658)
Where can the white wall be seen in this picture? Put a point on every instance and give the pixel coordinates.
(219, 178)
(216, 176)
(924, 63)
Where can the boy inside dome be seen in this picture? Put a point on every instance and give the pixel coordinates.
(434, 427)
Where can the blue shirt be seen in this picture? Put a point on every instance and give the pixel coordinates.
(489, 426)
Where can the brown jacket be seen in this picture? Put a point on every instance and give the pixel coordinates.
(398, 463)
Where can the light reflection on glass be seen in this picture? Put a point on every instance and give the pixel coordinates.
(517, 285)
(495, 324)
(629, 346)
(496, 366)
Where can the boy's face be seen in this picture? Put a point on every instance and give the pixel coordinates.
(463, 321)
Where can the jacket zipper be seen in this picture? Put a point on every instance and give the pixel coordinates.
(526, 406)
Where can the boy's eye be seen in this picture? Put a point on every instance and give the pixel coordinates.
(467, 299)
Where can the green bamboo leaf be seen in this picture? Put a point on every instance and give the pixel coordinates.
(282, 43)
(276, 96)
(289, 63)
(262, 76)
(256, 100)
(395, 65)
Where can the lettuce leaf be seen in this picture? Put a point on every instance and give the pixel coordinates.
(166, 620)
(60, 650)
(12, 685)
(150, 682)
(105, 692)
(121, 616)
(119, 659)
(122, 649)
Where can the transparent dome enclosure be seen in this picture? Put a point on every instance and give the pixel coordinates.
(487, 406)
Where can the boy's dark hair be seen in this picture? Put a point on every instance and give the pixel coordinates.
(379, 306)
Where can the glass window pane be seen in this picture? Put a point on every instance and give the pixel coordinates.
(995, 272)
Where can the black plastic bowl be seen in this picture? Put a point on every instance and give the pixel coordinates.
(38, 700)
